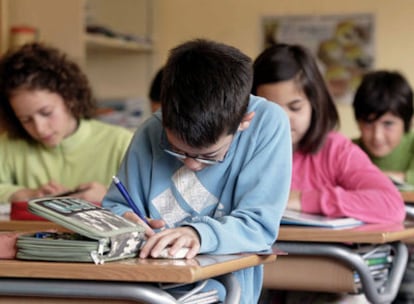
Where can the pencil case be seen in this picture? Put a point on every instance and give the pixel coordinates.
(19, 211)
(97, 235)
(56, 246)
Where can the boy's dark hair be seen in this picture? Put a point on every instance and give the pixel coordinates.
(282, 62)
(381, 92)
(36, 66)
(205, 91)
(155, 88)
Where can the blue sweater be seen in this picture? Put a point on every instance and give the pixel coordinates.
(235, 206)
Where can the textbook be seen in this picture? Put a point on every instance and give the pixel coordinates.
(379, 259)
(291, 217)
(192, 293)
(97, 235)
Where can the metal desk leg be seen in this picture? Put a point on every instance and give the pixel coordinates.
(142, 293)
(233, 291)
(139, 292)
(356, 262)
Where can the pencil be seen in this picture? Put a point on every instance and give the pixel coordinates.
(128, 198)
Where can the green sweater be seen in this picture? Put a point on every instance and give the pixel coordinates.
(93, 153)
(401, 159)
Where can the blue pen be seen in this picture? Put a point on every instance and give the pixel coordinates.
(128, 198)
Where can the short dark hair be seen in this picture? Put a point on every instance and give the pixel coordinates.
(155, 87)
(205, 91)
(384, 91)
(282, 62)
(36, 66)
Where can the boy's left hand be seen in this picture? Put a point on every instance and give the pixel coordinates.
(153, 224)
(175, 239)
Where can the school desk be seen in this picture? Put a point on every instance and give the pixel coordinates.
(127, 279)
(6, 225)
(319, 260)
(408, 196)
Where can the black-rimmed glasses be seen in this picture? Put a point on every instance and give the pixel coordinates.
(182, 155)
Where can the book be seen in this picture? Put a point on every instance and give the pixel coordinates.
(379, 259)
(291, 217)
(409, 210)
(192, 293)
(97, 235)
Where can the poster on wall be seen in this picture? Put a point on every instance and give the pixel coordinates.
(343, 45)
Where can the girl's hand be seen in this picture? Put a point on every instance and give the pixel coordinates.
(396, 176)
(294, 200)
(51, 188)
(23, 195)
(92, 192)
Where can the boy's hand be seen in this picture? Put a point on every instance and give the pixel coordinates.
(153, 224)
(175, 239)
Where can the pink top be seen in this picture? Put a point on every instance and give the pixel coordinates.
(340, 180)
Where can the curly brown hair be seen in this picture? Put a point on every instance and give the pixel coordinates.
(37, 66)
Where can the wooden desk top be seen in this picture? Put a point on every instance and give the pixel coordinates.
(6, 225)
(137, 270)
(408, 196)
(369, 233)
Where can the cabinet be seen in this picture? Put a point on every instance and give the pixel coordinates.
(116, 68)
(3, 25)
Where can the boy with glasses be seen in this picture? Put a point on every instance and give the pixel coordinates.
(214, 166)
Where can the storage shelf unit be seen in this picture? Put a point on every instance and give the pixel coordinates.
(94, 42)
(116, 68)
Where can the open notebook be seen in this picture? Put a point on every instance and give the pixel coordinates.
(291, 217)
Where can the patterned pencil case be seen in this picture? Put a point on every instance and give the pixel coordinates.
(98, 234)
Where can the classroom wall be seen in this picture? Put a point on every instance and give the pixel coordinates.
(238, 22)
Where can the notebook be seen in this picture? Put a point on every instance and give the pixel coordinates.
(291, 217)
(98, 234)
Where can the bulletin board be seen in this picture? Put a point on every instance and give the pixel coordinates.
(343, 45)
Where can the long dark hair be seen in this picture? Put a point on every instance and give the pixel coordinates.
(282, 62)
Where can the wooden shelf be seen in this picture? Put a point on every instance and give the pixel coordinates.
(99, 42)
(116, 67)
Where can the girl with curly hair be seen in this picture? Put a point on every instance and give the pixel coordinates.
(51, 142)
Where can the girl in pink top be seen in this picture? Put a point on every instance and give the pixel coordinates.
(331, 175)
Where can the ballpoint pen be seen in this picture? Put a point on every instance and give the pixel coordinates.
(128, 198)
